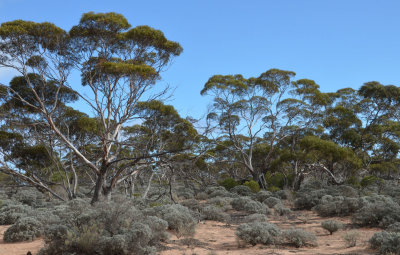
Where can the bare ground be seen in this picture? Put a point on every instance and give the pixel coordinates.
(20, 248)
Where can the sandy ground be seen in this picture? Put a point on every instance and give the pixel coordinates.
(219, 238)
(20, 248)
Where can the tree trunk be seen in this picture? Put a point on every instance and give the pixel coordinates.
(98, 188)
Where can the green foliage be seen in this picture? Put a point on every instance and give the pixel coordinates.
(276, 180)
(228, 183)
(369, 180)
(253, 185)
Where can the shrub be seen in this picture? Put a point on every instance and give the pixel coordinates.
(331, 225)
(272, 201)
(10, 213)
(24, 229)
(228, 183)
(179, 218)
(299, 237)
(259, 232)
(275, 180)
(211, 212)
(262, 195)
(222, 193)
(248, 205)
(253, 185)
(351, 238)
(192, 204)
(282, 194)
(273, 189)
(377, 210)
(29, 197)
(307, 199)
(395, 227)
(256, 217)
(386, 242)
(222, 202)
(281, 210)
(213, 189)
(241, 190)
(202, 196)
(337, 206)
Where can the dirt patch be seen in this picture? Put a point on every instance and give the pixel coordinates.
(219, 238)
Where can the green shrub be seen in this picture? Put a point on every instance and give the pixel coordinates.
(259, 233)
(248, 205)
(331, 225)
(202, 196)
(242, 190)
(275, 180)
(228, 183)
(253, 185)
(273, 189)
(299, 237)
(368, 181)
(24, 229)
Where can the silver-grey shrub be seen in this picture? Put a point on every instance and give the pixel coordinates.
(255, 217)
(24, 229)
(272, 201)
(10, 213)
(386, 242)
(337, 206)
(331, 225)
(241, 190)
(281, 210)
(299, 237)
(211, 212)
(221, 202)
(261, 195)
(248, 205)
(259, 233)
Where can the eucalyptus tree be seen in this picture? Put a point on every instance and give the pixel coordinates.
(248, 112)
(118, 64)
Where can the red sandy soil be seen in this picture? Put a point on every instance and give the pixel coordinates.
(219, 238)
(20, 248)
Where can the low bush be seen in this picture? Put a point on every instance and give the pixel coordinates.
(377, 211)
(337, 206)
(272, 201)
(179, 218)
(24, 229)
(211, 212)
(242, 190)
(351, 238)
(331, 225)
(281, 210)
(224, 203)
(10, 213)
(202, 196)
(395, 227)
(213, 189)
(386, 242)
(299, 238)
(261, 196)
(222, 193)
(283, 194)
(259, 233)
(248, 205)
(255, 217)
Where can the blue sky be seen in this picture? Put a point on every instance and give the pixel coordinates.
(337, 43)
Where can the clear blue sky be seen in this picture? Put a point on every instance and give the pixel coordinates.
(337, 43)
